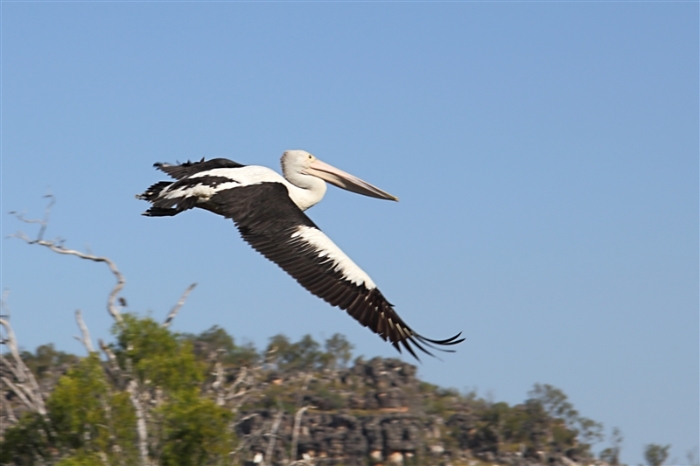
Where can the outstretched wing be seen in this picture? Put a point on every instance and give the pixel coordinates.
(273, 225)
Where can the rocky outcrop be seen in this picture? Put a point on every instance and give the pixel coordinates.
(380, 420)
(336, 439)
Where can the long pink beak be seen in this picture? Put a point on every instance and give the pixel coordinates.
(346, 181)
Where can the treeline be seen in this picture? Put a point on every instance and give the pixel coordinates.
(158, 397)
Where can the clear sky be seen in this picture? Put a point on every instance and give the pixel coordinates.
(545, 155)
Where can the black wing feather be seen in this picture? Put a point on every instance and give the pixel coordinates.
(190, 168)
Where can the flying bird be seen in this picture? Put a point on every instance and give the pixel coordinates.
(269, 213)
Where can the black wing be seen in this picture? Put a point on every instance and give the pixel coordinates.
(190, 168)
(268, 220)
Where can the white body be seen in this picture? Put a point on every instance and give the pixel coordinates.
(251, 175)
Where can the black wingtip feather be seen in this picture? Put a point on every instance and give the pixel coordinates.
(453, 340)
(160, 212)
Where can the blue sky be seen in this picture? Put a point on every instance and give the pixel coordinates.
(545, 155)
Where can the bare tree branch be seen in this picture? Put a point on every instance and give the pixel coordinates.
(242, 374)
(218, 384)
(246, 381)
(57, 246)
(4, 310)
(273, 437)
(178, 305)
(26, 382)
(85, 340)
(113, 368)
(43, 222)
(295, 431)
(20, 392)
(7, 409)
(16, 372)
(140, 421)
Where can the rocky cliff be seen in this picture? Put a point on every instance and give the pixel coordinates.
(378, 412)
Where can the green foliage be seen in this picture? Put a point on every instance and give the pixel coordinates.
(214, 339)
(156, 355)
(275, 397)
(656, 455)
(84, 416)
(47, 359)
(555, 403)
(91, 418)
(84, 412)
(25, 441)
(338, 351)
(326, 398)
(81, 460)
(306, 354)
(217, 340)
(194, 431)
(612, 453)
(438, 400)
(547, 421)
(302, 355)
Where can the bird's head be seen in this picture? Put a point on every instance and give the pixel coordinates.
(300, 162)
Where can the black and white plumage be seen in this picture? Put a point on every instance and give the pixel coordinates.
(269, 213)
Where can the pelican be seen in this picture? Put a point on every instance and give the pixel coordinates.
(269, 213)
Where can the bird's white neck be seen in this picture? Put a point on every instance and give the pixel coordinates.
(306, 191)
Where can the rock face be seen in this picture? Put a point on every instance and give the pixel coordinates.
(338, 438)
(380, 420)
(374, 425)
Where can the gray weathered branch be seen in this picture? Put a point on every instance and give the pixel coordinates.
(273, 437)
(295, 431)
(85, 339)
(140, 422)
(57, 246)
(178, 305)
(20, 391)
(113, 368)
(26, 382)
(218, 384)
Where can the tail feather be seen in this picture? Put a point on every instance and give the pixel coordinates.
(169, 198)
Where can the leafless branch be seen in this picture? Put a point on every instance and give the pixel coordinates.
(85, 340)
(57, 246)
(218, 384)
(140, 421)
(113, 366)
(178, 305)
(20, 392)
(273, 437)
(305, 383)
(7, 409)
(295, 431)
(242, 374)
(44, 223)
(246, 382)
(17, 373)
(4, 310)
(26, 382)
